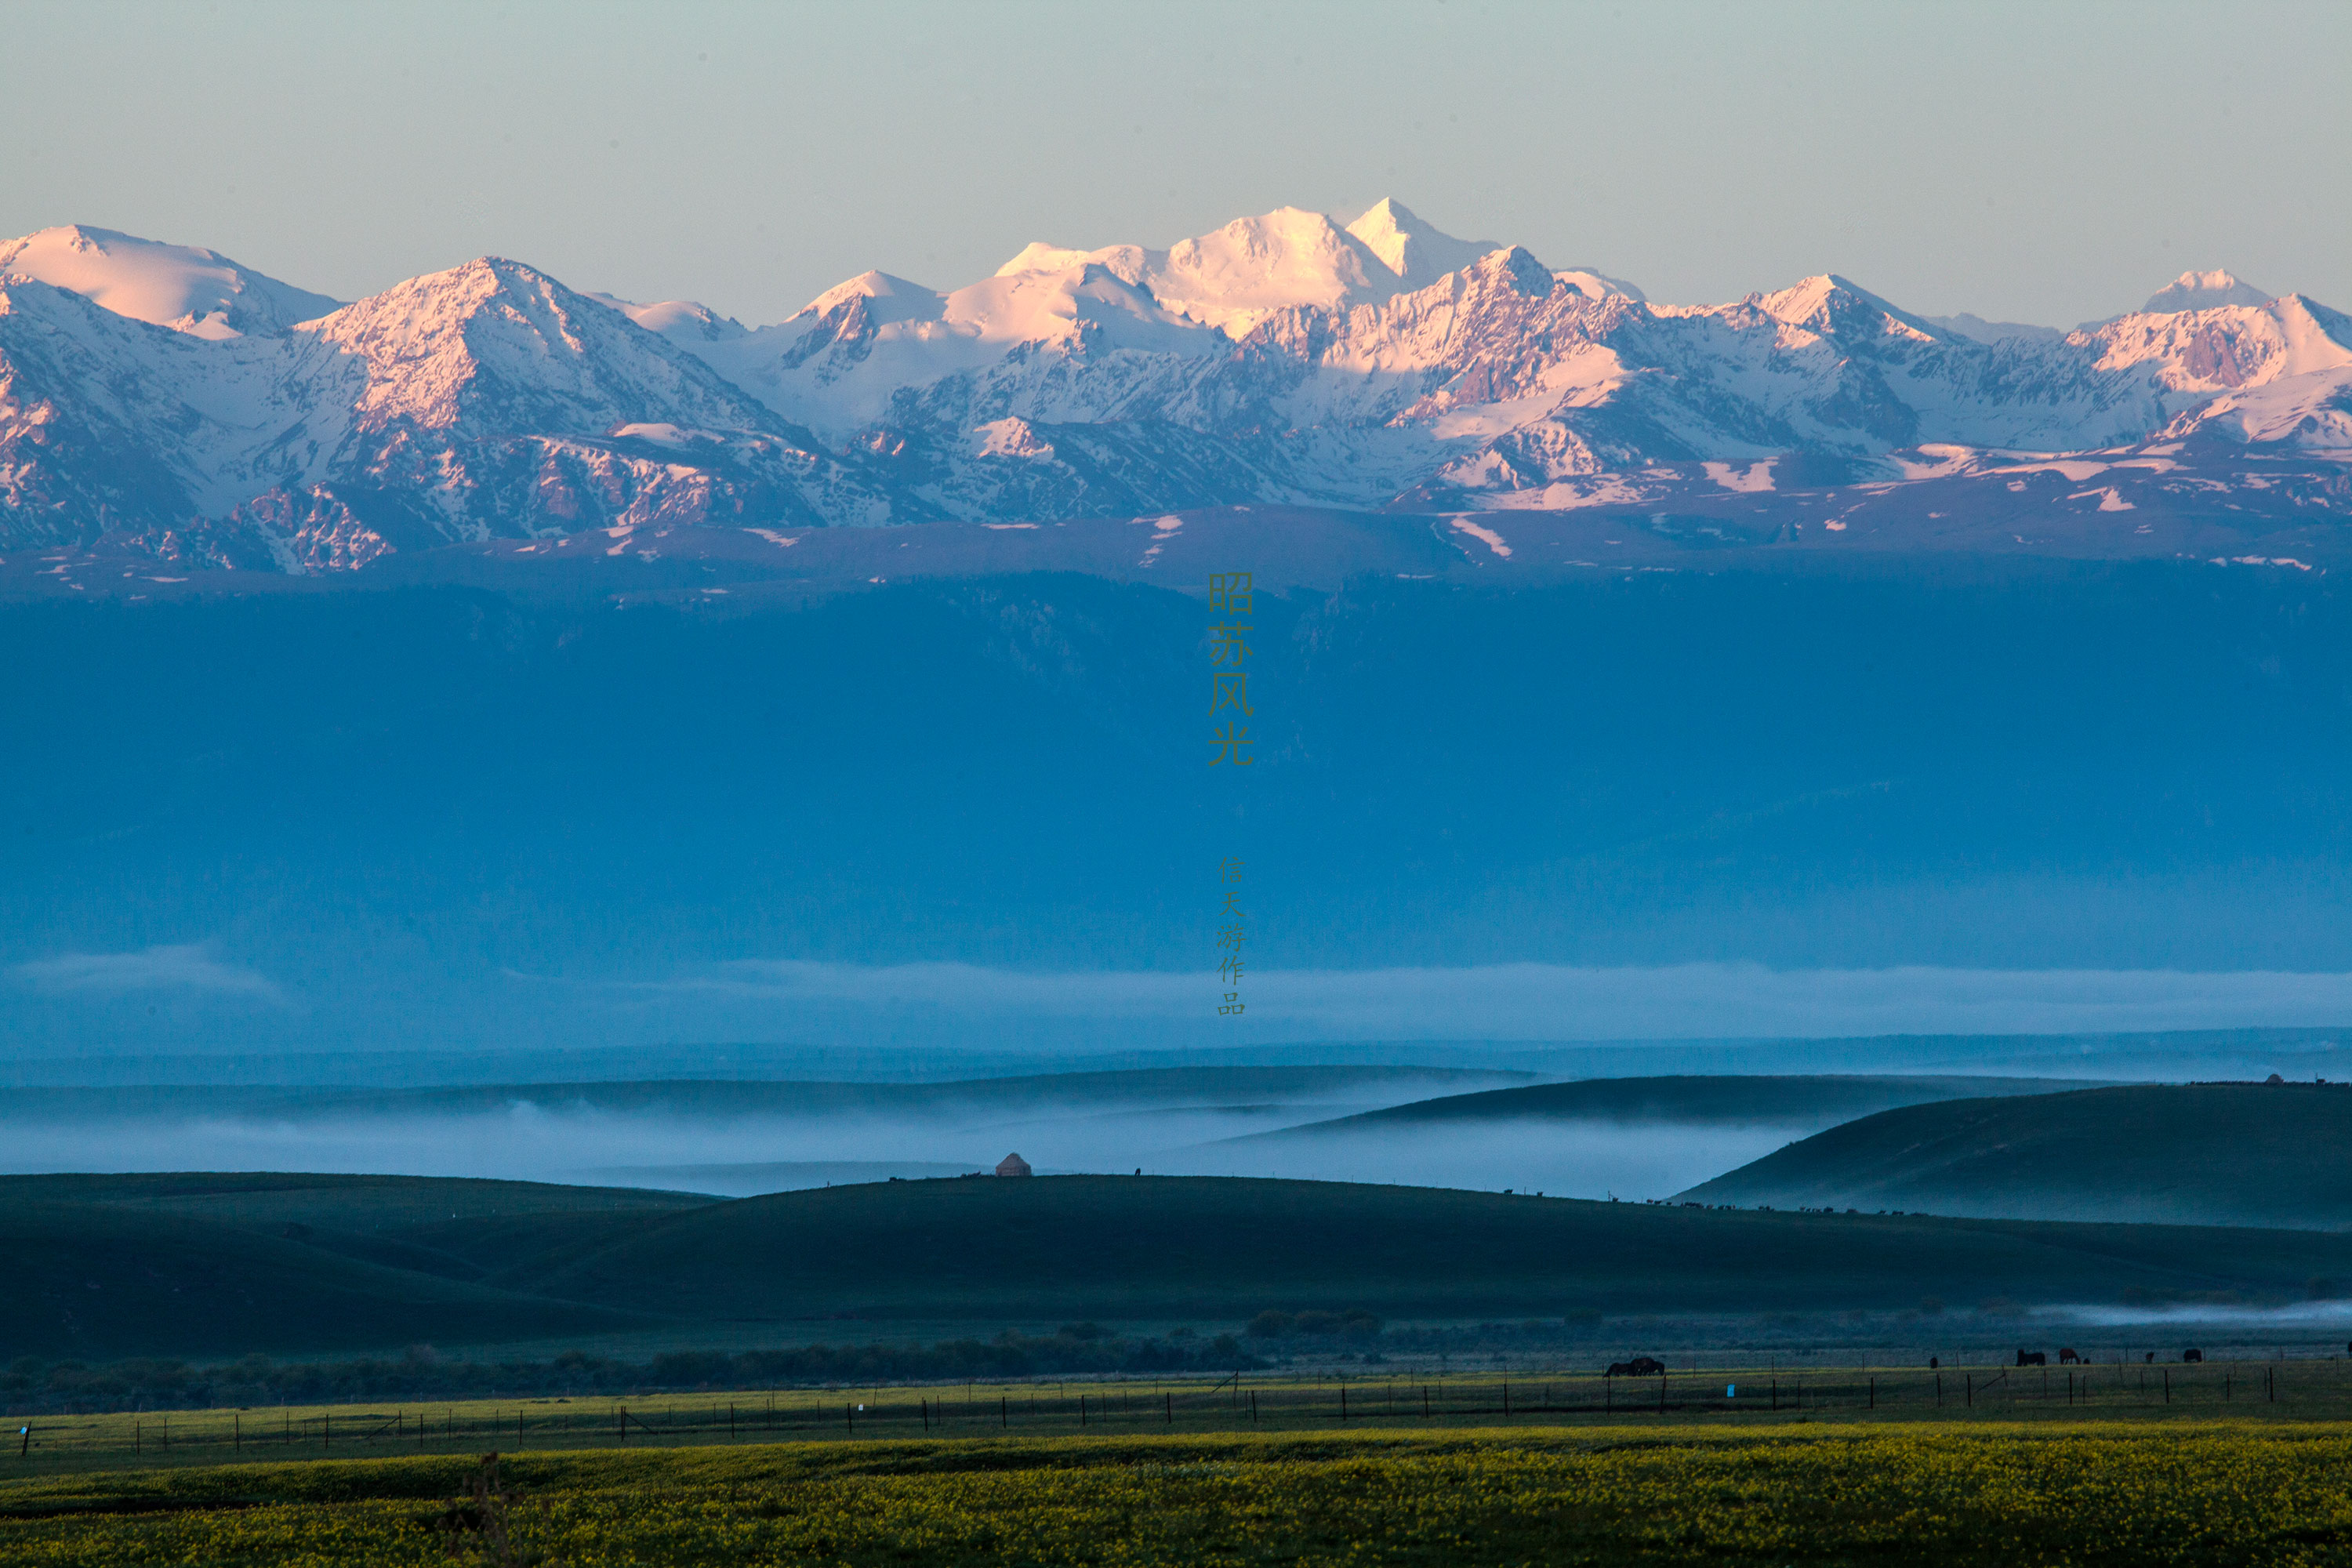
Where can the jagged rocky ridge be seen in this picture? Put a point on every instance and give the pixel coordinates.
(171, 399)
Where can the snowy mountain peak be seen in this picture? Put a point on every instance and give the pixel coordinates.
(1513, 267)
(200, 292)
(1279, 358)
(1967, 324)
(2203, 291)
(888, 299)
(1038, 256)
(1290, 258)
(498, 345)
(1409, 247)
(1065, 304)
(1598, 286)
(1234, 277)
(1256, 266)
(1833, 306)
(2317, 339)
(679, 320)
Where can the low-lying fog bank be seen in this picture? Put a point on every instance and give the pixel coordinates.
(1570, 1159)
(741, 1156)
(1626, 1138)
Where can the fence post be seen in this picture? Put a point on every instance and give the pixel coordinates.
(1873, 1393)
(1971, 1388)
(2167, 1386)
(1082, 1409)
(1343, 1400)
(1662, 1393)
(1168, 1405)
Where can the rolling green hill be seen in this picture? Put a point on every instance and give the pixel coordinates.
(2249, 1154)
(1778, 1100)
(506, 1261)
(449, 1227)
(272, 1199)
(1147, 1247)
(99, 1281)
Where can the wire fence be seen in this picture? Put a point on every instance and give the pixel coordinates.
(1240, 1403)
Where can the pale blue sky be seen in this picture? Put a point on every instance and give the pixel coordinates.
(2032, 162)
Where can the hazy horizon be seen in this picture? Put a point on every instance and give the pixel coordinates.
(2011, 162)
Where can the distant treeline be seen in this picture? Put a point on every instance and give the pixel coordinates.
(33, 1386)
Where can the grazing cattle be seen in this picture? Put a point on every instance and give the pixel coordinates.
(2067, 1357)
(2192, 1354)
(2032, 1358)
(1639, 1366)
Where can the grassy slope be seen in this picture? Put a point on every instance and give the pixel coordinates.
(99, 1281)
(273, 1199)
(1774, 1100)
(1143, 1246)
(2199, 1154)
(455, 1226)
(530, 1262)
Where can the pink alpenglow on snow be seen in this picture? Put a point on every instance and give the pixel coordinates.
(205, 415)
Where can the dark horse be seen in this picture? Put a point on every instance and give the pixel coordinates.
(2032, 1358)
(1639, 1366)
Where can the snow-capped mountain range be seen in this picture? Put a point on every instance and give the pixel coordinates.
(171, 401)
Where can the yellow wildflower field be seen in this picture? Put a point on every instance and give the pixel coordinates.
(2209, 1494)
